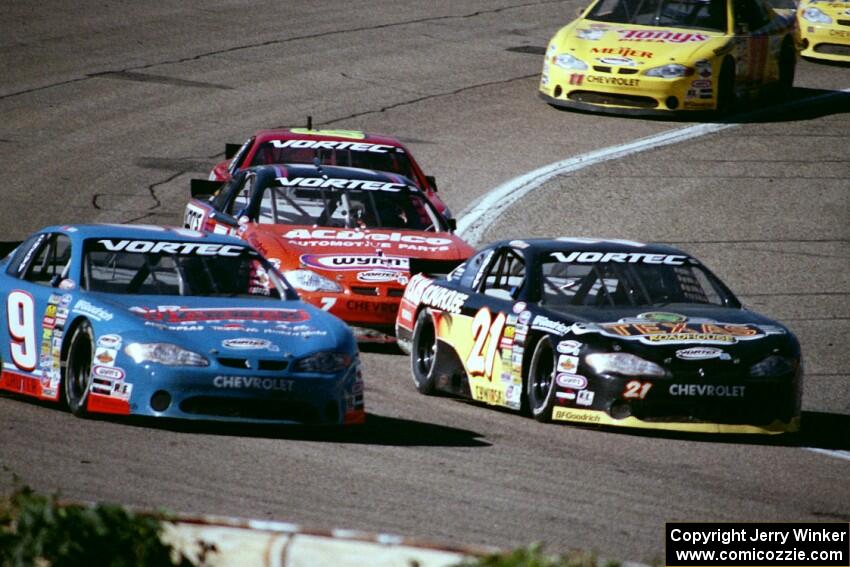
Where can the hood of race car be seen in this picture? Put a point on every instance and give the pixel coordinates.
(229, 326)
(628, 46)
(354, 255)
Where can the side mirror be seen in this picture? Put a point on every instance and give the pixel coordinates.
(432, 181)
(452, 222)
(230, 150)
(203, 188)
(580, 11)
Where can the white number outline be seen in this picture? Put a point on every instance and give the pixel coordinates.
(22, 345)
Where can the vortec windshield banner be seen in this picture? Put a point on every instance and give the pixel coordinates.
(330, 145)
(176, 248)
(335, 183)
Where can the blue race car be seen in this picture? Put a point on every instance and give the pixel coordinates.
(140, 320)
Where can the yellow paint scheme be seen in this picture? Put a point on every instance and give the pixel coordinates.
(617, 57)
(810, 34)
(457, 331)
(593, 417)
(353, 134)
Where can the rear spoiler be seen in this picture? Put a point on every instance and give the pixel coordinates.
(230, 150)
(433, 267)
(7, 248)
(203, 188)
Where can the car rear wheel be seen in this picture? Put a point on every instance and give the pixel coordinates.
(540, 386)
(787, 69)
(726, 89)
(423, 352)
(78, 364)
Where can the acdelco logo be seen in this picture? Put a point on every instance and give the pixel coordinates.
(330, 234)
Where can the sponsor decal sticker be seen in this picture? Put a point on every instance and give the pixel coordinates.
(592, 34)
(702, 353)
(105, 356)
(169, 314)
(617, 61)
(337, 183)
(248, 343)
(97, 313)
(707, 390)
(108, 372)
(519, 307)
(568, 395)
(585, 398)
(332, 145)
(355, 262)
(569, 347)
(684, 331)
(572, 381)
(619, 257)
(378, 276)
(174, 248)
(109, 341)
(661, 36)
(567, 363)
(622, 51)
(253, 382)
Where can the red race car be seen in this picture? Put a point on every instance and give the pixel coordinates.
(350, 148)
(343, 237)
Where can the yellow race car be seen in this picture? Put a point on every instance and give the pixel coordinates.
(824, 30)
(660, 56)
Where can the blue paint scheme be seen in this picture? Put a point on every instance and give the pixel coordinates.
(267, 392)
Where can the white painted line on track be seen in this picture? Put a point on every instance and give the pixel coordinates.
(838, 454)
(475, 220)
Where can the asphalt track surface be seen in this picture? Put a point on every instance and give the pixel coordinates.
(107, 109)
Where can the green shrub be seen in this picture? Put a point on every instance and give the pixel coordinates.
(533, 556)
(37, 530)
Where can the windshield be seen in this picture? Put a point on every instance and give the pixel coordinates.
(351, 208)
(377, 157)
(147, 267)
(697, 14)
(624, 282)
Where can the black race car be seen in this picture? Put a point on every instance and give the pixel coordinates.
(601, 332)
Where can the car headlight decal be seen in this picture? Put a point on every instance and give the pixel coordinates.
(773, 365)
(567, 61)
(308, 280)
(670, 71)
(624, 364)
(816, 16)
(323, 362)
(164, 353)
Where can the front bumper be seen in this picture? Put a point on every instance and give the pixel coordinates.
(371, 313)
(628, 94)
(826, 42)
(719, 404)
(234, 395)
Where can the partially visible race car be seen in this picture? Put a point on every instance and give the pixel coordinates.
(343, 237)
(665, 56)
(347, 148)
(823, 28)
(148, 321)
(601, 332)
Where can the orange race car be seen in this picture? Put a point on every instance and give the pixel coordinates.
(343, 237)
(349, 148)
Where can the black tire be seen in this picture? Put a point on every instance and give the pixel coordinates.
(787, 69)
(540, 385)
(78, 364)
(726, 99)
(423, 352)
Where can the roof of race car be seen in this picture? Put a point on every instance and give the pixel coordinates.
(340, 135)
(293, 170)
(141, 231)
(588, 245)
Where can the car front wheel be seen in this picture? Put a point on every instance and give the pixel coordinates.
(78, 365)
(540, 386)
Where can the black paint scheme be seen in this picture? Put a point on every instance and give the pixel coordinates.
(662, 344)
